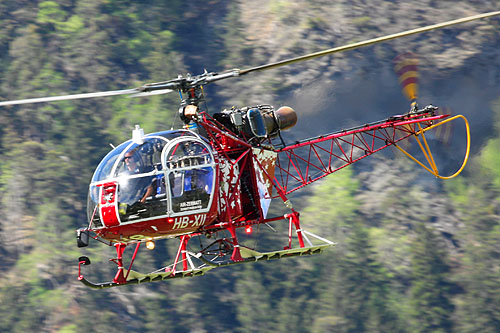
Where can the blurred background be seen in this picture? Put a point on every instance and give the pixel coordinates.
(414, 253)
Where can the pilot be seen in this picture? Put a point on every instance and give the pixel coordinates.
(134, 191)
(132, 162)
(134, 166)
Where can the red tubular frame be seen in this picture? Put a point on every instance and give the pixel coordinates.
(119, 277)
(293, 218)
(301, 164)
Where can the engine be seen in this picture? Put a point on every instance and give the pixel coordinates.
(258, 122)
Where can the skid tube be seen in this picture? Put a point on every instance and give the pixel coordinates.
(241, 254)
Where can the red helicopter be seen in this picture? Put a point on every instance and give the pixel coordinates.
(218, 174)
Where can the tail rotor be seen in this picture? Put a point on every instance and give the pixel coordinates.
(406, 67)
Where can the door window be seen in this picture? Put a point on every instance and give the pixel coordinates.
(189, 166)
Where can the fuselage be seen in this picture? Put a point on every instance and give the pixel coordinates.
(176, 182)
(160, 185)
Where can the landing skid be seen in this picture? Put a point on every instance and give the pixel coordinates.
(137, 278)
(203, 265)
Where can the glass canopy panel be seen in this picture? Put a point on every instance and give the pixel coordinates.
(190, 168)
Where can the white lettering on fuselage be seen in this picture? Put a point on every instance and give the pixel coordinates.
(190, 205)
(182, 222)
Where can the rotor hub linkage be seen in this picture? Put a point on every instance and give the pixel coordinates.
(185, 83)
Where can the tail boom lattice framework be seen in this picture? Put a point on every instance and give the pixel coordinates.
(302, 163)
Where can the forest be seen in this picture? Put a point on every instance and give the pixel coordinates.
(414, 253)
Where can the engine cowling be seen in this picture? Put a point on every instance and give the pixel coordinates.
(258, 121)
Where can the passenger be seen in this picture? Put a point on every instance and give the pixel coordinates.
(199, 188)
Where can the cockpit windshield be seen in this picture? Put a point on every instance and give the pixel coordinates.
(143, 158)
(169, 172)
(105, 168)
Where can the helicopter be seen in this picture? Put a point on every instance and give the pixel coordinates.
(215, 177)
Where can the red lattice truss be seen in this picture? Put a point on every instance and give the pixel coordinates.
(305, 162)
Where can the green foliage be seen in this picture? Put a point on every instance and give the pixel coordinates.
(72, 26)
(332, 206)
(490, 161)
(489, 158)
(363, 20)
(254, 311)
(430, 293)
(20, 313)
(235, 40)
(388, 272)
(358, 295)
(457, 191)
(478, 310)
(50, 13)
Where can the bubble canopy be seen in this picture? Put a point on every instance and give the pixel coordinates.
(154, 178)
(105, 169)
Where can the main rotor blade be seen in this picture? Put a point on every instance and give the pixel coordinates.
(69, 97)
(165, 87)
(151, 93)
(367, 42)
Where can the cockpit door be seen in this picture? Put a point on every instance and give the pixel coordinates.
(189, 168)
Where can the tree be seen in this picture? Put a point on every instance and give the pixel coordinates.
(355, 294)
(360, 289)
(431, 308)
(478, 199)
(253, 305)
